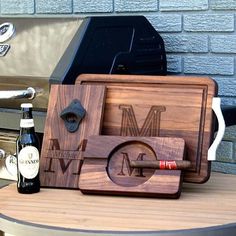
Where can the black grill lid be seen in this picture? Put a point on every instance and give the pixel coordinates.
(112, 45)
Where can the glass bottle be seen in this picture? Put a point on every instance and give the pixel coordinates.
(28, 153)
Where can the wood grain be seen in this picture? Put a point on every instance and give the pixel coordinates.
(200, 206)
(61, 155)
(183, 108)
(106, 168)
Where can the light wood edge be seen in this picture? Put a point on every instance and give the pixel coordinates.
(21, 228)
(146, 79)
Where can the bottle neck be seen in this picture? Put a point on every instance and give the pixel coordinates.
(27, 122)
(27, 113)
(29, 130)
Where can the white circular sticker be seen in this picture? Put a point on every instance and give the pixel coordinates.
(11, 165)
(7, 30)
(28, 162)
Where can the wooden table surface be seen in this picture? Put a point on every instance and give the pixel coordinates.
(210, 206)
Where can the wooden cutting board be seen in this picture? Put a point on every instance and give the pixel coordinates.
(62, 151)
(163, 106)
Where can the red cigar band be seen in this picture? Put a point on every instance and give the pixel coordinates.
(171, 165)
(162, 165)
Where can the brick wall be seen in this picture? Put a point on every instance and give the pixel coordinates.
(199, 36)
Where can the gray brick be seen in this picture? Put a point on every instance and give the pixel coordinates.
(224, 167)
(225, 151)
(185, 43)
(17, 6)
(183, 5)
(135, 5)
(223, 4)
(230, 133)
(229, 101)
(83, 6)
(209, 22)
(209, 65)
(223, 44)
(54, 7)
(166, 23)
(174, 64)
(226, 86)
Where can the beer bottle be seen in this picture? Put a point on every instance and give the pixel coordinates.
(28, 151)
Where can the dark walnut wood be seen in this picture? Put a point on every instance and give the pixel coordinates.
(164, 106)
(61, 155)
(107, 166)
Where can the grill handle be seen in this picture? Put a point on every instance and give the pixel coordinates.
(29, 93)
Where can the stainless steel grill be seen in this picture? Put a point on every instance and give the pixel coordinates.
(30, 49)
(35, 49)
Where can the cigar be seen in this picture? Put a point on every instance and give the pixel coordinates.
(162, 164)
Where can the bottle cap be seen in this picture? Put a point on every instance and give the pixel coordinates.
(26, 105)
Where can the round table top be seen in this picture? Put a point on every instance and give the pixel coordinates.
(201, 206)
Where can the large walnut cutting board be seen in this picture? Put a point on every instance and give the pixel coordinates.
(61, 155)
(164, 106)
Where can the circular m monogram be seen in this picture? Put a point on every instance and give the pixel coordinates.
(119, 168)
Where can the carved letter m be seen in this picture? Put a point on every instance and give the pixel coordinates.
(151, 125)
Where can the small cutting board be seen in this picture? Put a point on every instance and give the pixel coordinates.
(161, 106)
(62, 150)
(107, 167)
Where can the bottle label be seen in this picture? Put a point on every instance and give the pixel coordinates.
(26, 123)
(28, 162)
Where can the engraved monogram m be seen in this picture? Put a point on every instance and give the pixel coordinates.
(65, 157)
(129, 126)
(130, 170)
(151, 125)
